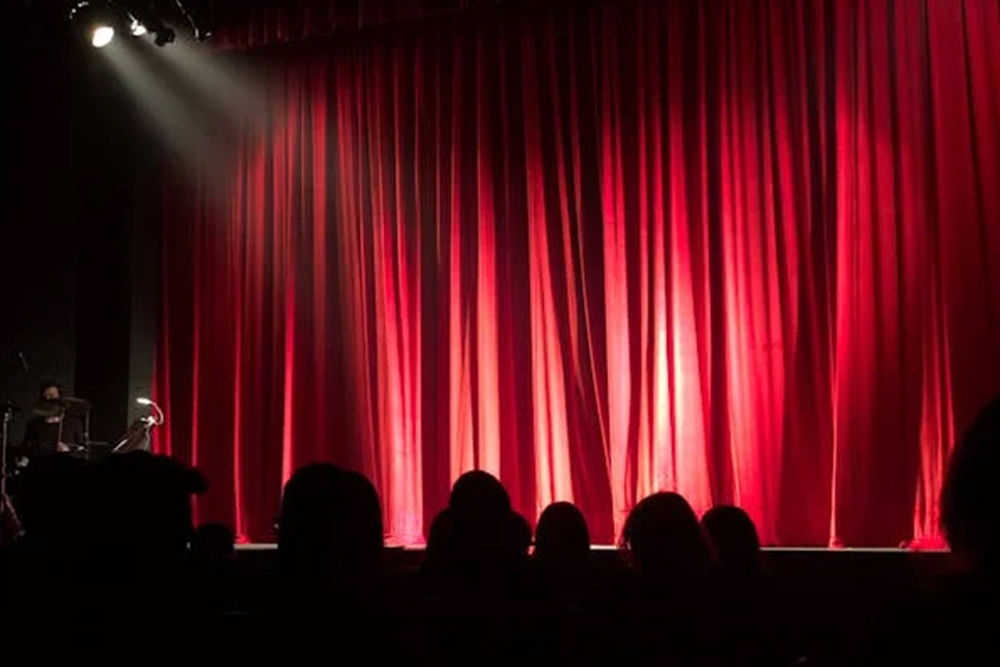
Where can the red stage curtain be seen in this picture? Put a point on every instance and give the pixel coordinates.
(748, 251)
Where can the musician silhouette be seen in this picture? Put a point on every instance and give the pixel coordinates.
(54, 425)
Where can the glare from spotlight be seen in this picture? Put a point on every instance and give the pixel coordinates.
(138, 29)
(102, 36)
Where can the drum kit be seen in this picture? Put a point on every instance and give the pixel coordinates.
(136, 437)
(59, 411)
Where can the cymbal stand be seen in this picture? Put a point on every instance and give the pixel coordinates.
(86, 435)
(10, 524)
(8, 415)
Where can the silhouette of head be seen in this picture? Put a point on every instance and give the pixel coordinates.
(734, 536)
(330, 525)
(48, 391)
(478, 495)
(562, 539)
(969, 506)
(664, 538)
(477, 535)
(144, 508)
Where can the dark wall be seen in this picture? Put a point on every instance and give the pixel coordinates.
(75, 162)
(39, 239)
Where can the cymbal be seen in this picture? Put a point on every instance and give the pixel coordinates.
(60, 406)
(76, 404)
(47, 409)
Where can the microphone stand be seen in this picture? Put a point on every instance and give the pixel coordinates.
(159, 418)
(128, 442)
(8, 515)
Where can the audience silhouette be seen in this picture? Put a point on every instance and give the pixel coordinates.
(330, 547)
(478, 538)
(567, 586)
(954, 622)
(141, 514)
(53, 498)
(118, 535)
(734, 539)
(562, 540)
(970, 507)
(330, 527)
(664, 539)
(745, 596)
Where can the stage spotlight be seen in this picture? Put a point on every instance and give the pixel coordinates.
(101, 19)
(102, 35)
(98, 21)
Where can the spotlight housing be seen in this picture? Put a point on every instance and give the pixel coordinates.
(159, 18)
(101, 36)
(97, 19)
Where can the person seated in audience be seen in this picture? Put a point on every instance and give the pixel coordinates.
(52, 496)
(734, 539)
(474, 572)
(747, 602)
(562, 540)
(565, 584)
(142, 526)
(136, 566)
(672, 606)
(329, 528)
(954, 623)
(970, 508)
(478, 494)
(478, 537)
(108, 550)
(42, 568)
(662, 538)
(330, 574)
(142, 507)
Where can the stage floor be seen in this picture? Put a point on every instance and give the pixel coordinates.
(869, 564)
(271, 546)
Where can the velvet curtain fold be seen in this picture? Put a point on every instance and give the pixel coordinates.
(742, 250)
